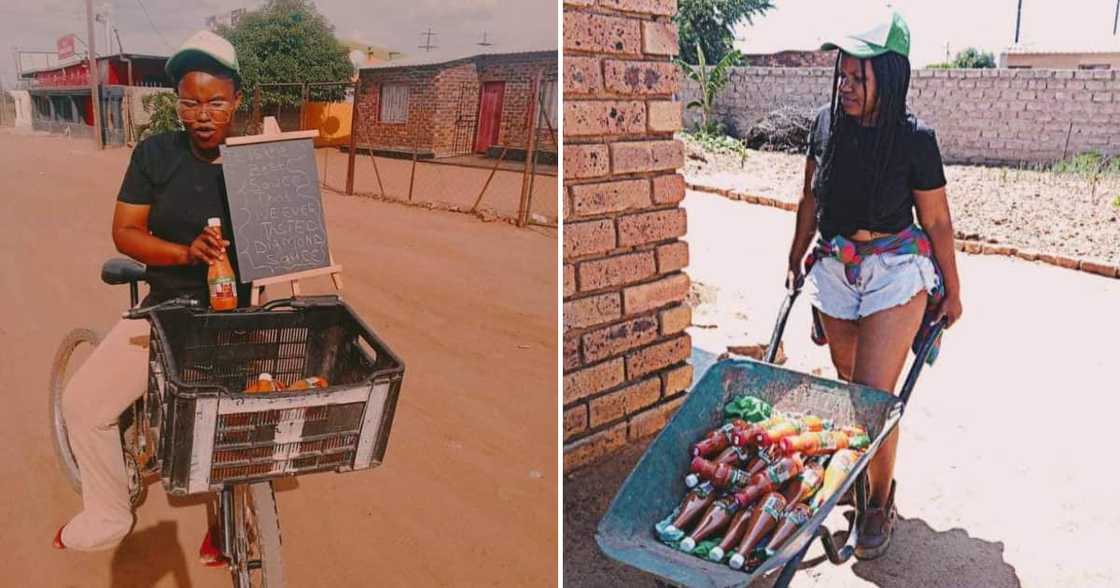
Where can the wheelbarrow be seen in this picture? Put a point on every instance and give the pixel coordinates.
(655, 487)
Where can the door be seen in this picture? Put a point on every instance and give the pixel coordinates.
(489, 115)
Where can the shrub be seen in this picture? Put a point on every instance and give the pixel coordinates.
(785, 129)
(163, 117)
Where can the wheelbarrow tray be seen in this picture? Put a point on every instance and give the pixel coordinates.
(656, 486)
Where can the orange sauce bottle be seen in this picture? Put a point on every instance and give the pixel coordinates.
(221, 279)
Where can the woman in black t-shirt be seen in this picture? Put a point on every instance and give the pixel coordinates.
(174, 183)
(874, 277)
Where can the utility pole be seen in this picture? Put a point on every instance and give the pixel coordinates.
(94, 77)
(1116, 19)
(1018, 21)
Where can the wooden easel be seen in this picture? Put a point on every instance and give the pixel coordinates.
(271, 132)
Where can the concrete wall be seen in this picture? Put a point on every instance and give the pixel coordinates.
(993, 116)
(625, 349)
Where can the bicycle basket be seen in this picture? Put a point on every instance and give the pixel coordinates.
(212, 434)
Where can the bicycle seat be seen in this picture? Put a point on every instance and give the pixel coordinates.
(123, 271)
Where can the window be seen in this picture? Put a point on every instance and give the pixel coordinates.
(1094, 66)
(394, 103)
(549, 102)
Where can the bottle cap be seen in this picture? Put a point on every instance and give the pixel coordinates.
(716, 554)
(265, 376)
(688, 544)
(691, 480)
(214, 222)
(736, 561)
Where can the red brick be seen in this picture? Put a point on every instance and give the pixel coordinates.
(615, 339)
(667, 290)
(582, 75)
(628, 400)
(659, 38)
(569, 280)
(580, 2)
(668, 189)
(591, 199)
(588, 381)
(677, 379)
(643, 78)
(664, 116)
(655, 357)
(571, 353)
(601, 34)
(1066, 262)
(645, 156)
(1098, 267)
(591, 311)
(586, 161)
(649, 227)
(616, 271)
(658, 7)
(647, 423)
(672, 257)
(583, 118)
(588, 237)
(675, 319)
(575, 421)
(593, 447)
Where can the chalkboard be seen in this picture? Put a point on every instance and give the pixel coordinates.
(275, 207)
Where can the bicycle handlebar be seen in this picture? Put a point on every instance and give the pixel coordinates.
(144, 311)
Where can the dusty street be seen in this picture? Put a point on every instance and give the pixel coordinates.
(467, 494)
(1003, 478)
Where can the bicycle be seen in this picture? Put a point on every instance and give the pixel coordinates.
(235, 444)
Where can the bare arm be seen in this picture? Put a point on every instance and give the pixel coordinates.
(132, 238)
(806, 220)
(933, 214)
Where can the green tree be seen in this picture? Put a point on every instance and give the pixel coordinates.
(162, 115)
(288, 41)
(711, 81)
(711, 23)
(973, 58)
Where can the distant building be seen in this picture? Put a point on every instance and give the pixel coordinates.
(60, 93)
(1101, 56)
(453, 107)
(791, 58)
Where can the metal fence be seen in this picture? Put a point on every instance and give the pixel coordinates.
(7, 110)
(517, 182)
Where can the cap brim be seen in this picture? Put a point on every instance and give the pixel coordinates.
(855, 48)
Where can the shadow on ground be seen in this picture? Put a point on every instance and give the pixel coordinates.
(147, 556)
(919, 556)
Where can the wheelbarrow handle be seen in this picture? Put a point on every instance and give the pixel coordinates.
(920, 357)
(793, 290)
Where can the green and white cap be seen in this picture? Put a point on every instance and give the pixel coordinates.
(203, 43)
(890, 35)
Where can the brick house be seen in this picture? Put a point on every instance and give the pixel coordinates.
(475, 104)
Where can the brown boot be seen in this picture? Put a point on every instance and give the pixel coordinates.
(876, 528)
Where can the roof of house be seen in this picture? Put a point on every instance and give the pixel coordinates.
(1082, 46)
(69, 63)
(436, 59)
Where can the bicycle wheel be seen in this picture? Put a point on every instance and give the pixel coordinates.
(255, 560)
(59, 377)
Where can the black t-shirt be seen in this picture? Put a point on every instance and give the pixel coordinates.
(914, 164)
(183, 192)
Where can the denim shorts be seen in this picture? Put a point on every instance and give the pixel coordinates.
(885, 281)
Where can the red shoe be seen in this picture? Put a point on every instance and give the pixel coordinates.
(58, 539)
(208, 553)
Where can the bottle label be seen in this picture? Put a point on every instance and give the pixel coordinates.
(222, 287)
(771, 507)
(779, 472)
(798, 516)
(810, 478)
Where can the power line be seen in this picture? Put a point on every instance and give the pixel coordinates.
(149, 17)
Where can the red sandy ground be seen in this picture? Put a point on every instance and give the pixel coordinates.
(468, 491)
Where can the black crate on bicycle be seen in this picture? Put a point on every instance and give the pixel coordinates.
(212, 434)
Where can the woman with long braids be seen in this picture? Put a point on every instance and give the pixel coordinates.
(876, 279)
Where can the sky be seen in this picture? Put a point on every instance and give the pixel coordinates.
(512, 25)
(985, 24)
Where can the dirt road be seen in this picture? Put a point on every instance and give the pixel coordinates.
(1003, 474)
(467, 494)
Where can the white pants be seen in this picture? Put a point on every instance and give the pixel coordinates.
(110, 380)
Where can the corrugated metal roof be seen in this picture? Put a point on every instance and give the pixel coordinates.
(1086, 47)
(437, 58)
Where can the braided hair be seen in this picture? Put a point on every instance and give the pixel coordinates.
(892, 78)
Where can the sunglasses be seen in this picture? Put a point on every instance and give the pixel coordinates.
(190, 111)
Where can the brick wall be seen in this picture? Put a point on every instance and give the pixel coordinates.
(414, 132)
(791, 59)
(625, 349)
(518, 75)
(994, 116)
(455, 89)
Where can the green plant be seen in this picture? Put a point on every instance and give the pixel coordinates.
(717, 143)
(1116, 201)
(973, 58)
(162, 115)
(711, 24)
(1089, 164)
(288, 41)
(711, 81)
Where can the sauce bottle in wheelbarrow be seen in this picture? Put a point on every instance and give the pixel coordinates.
(718, 516)
(763, 520)
(694, 503)
(734, 533)
(838, 469)
(220, 278)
